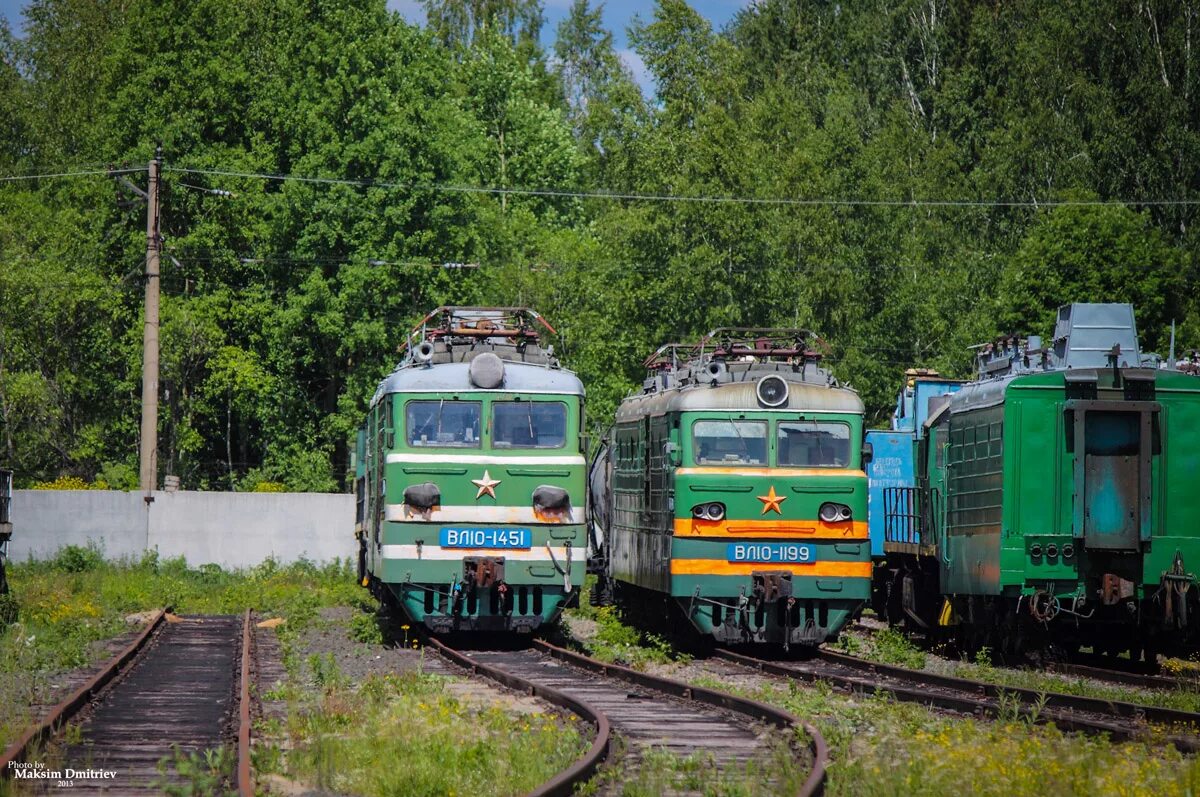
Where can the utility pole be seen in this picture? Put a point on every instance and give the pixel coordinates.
(149, 444)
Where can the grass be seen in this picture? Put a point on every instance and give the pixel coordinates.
(616, 642)
(338, 733)
(1181, 699)
(348, 738)
(200, 774)
(662, 772)
(881, 747)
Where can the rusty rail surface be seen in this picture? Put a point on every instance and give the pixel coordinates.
(61, 713)
(1122, 721)
(245, 781)
(563, 784)
(1125, 677)
(813, 785)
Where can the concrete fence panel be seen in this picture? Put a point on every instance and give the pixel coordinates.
(243, 529)
(46, 520)
(229, 529)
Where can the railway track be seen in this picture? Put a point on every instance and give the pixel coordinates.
(1130, 677)
(1120, 720)
(181, 687)
(649, 711)
(1091, 666)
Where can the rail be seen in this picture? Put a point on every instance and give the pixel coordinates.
(245, 780)
(813, 785)
(563, 784)
(588, 764)
(133, 674)
(1122, 721)
(60, 714)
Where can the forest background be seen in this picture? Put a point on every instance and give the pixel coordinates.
(954, 171)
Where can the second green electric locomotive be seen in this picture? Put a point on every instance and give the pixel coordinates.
(732, 488)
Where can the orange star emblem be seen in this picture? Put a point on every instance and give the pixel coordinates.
(771, 501)
(486, 485)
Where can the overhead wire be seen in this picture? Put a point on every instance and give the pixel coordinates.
(614, 195)
(565, 193)
(9, 178)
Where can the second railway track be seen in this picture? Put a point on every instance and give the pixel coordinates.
(650, 712)
(180, 688)
(1120, 720)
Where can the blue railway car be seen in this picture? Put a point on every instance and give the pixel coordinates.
(892, 469)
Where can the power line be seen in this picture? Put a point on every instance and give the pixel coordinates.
(612, 195)
(106, 172)
(563, 193)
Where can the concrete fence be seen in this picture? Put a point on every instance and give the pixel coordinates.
(229, 529)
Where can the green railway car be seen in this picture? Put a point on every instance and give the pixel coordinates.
(470, 476)
(732, 488)
(1057, 498)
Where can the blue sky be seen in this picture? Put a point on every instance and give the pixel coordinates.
(617, 16)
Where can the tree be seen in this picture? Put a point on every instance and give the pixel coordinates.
(1094, 254)
(461, 23)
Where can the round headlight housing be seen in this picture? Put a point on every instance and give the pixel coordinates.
(772, 391)
(713, 510)
(833, 513)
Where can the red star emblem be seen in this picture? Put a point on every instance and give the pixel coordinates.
(771, 501)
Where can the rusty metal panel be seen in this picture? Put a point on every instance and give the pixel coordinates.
(1111, 510)
(1113, 455)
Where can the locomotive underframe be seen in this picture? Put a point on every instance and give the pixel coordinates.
(1103, 612)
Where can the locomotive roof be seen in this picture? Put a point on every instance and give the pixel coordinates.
(731, 396)
(439, 352)
(454, 377)
(1088, 339)
(722, 372)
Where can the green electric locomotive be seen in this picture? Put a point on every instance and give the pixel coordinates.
(1054, 500)
(732, 489)
(470, 476)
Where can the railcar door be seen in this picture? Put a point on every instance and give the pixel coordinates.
(1113, 449)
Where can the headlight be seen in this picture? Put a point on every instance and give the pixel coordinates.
(772, 391)
(832, 513)
(711, 511)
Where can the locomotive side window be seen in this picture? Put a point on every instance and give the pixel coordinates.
(529, 424)
(813, 444)
(449, 424)
(718, 442)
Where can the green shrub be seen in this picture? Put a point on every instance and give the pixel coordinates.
(365, 627)
(9, 608)
(77, 559)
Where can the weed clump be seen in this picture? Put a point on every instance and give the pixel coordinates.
(889, 646)
(78, 559)
(365, 627)
(617, 642)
